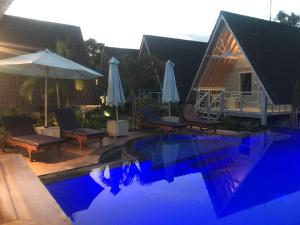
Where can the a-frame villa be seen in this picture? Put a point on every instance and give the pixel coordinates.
(250, 69)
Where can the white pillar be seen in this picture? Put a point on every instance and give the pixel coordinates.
(263, 109)
(222, 103)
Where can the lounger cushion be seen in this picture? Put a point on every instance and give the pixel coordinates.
(18, 125)
(38, 140)
(88, 132)
(67, 119)
(206, 122)
(167, 123)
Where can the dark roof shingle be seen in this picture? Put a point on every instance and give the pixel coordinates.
(273, 50)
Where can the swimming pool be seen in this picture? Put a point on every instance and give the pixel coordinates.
(192, 180)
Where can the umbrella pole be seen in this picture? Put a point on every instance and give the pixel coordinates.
(46, 98)
(169, 109)
(117, 113)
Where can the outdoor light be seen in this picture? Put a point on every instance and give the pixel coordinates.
(107, 114)
(78, 84)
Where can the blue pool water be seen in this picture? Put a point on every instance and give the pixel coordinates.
(192, 180)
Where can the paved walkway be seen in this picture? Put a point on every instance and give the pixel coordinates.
(71, 156)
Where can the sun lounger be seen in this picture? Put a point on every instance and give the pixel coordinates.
(71, 128)
(20, 133)
(192, 118)
(152, 120)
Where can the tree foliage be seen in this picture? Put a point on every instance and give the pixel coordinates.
(59, 87)
(95, 51)
(141, 73)
(289, 19)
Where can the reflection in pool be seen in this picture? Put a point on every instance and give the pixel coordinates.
(192, 180)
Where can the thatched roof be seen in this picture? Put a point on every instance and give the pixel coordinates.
(21, 36)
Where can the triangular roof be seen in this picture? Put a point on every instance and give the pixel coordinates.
(273, 50)
(186, 54)
(4, 4)
(20, 36)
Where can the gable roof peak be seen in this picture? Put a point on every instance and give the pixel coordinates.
(230, 15)
(25, 19)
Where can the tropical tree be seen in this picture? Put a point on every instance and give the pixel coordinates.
(289, 19)
(141, 73)
(63, 48)
(95, 54)
(95, 51)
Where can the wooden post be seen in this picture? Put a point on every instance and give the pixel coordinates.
(263, 109)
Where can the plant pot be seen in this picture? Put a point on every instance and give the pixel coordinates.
(117, 128)
(49, 131)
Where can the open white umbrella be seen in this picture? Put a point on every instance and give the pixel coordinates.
(115, 95)
(48, 65)
(170, 93)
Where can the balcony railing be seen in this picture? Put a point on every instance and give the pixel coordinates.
(211, 101)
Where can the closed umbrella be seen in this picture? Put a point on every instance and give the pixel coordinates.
(115, 95)
(170, 93)
(48, 65)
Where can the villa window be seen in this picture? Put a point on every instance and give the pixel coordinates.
(246, 83)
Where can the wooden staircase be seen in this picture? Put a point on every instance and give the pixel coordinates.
(209, 106)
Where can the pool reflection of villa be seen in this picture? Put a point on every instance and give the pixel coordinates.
(227, 174)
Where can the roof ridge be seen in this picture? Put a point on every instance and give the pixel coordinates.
(38, 21)
(121, 48)
(178, 39)
(277, 23)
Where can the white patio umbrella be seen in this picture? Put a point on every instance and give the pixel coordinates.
(115, 95)
(48, 65)
(170, 93)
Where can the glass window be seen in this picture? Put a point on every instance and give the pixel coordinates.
(246, 83)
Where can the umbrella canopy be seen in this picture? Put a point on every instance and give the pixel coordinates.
(48, 65)
(170, 93)
(115, 95)
(35, 65)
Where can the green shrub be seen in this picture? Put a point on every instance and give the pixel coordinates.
(95, 118)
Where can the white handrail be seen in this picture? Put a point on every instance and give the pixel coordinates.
(198, 102)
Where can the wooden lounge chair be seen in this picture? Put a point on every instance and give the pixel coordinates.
(20, 133)
(152, 120)
(192, 118)
(71, 128)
